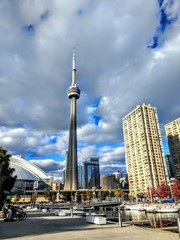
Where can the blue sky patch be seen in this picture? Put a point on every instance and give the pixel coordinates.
(96, 103)
(154, 42)
(54, 156)
(166, 147)
(165, 20)
(160, 2)
(53, 140)
(96, 120)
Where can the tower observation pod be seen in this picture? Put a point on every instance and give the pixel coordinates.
(71, 176)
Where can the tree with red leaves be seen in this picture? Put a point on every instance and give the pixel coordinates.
(163, 190)
(176, 188)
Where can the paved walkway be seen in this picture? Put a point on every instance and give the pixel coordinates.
(47, 226)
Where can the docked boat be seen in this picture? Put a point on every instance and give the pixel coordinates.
(167, 209)
(162, 209)
(137, 207)
(154, 208)
(150, 209)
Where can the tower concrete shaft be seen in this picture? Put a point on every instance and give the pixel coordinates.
(71, 178)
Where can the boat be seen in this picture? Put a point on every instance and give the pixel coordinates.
(162, 209)
(154, 208)
(171, 209)
(137, 207)
(142, 208)
(150, 209)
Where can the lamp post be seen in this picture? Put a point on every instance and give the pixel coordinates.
(24, 189)
(170, 186)
(76, 194)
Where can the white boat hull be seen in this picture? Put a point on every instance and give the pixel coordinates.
(167, 210)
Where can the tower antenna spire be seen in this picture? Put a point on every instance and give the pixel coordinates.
(74, 59)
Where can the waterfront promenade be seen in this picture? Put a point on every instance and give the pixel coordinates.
(47, 226)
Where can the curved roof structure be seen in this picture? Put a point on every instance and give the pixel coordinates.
(25, 170)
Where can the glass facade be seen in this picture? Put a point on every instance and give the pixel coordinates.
(173, 136)
(91, 173)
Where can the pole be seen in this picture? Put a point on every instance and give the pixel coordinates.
(119, 217)
(24, 189)
(151, 194)
(71, 210)
(178, 222)
(170, 189)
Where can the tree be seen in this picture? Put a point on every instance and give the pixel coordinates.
(53, 197)
(176, 188)
(117, 192)
(163, 190)
(50, 195)
(47, 194)
(7, 180)
(17, 198)
(83, 196)
(88, 195)
(33, 197)
(104, 194)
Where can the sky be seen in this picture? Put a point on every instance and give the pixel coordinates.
(127, 53)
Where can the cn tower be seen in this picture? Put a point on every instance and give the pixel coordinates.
(71, 177)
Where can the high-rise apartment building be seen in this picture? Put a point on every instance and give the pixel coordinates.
(173, 135)
(91, 173)
(169, 166)
(144, 155)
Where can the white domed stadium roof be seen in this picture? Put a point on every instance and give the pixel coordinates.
(25, 170)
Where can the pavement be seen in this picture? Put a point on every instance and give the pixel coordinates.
(47, 226)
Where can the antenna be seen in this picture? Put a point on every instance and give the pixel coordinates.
(74, 63)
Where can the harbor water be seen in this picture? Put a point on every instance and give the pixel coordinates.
(156, 220)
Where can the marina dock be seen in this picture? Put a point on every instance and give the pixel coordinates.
(45, 226)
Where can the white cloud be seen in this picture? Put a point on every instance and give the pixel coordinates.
(115, 72)
(86, 152)
(53, 168)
